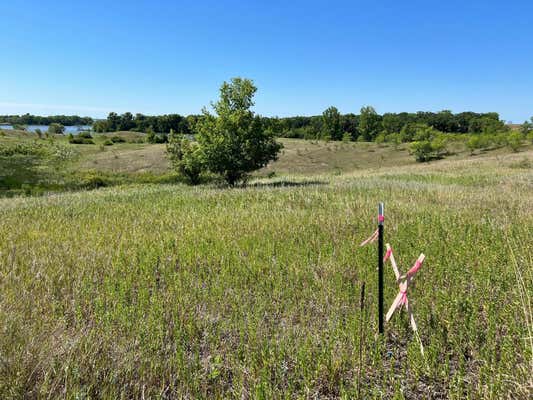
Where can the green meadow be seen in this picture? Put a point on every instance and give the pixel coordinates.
(149, 288)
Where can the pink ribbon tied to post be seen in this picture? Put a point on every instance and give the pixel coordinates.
(403, 283)
(372, 238)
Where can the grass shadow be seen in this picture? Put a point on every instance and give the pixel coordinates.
(286, 183)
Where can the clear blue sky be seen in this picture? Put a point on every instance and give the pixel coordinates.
(153, 57)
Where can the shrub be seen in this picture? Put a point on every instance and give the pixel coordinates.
(80, 140)
(380, 139)
(424, 132)
(346, 137)
(473, 143)
(425, 150)
(108, 142)
(25, 149)
(422, 150)
(393, 138)
(429, 143)
(186, 157)
(500, 139)
(117, 139)
(93, 181)
(514, 140)
(152, 137)
(56, 129)
(101, 126)
(85, 135)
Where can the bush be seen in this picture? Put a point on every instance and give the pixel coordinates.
(473, 143)
(85, 135)
(152, 137)
(429, 143)
(346, 137)
(422, 150)
(117, 139)
(24, 149)
(424, 132)
(56, 129)
(514, 140)
(186, 157)
(80, 140)
(393, 138)
(93, 181)
(100, 126)
(108, 142)
(425, 150)
(380, 139)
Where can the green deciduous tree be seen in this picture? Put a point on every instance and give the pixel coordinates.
(233, 142)
(489, 123)
(527, 127)
(369, 123)
(100, 126)
(331, 122)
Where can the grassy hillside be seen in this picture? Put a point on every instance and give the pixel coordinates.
(170, 291)
(57, 166)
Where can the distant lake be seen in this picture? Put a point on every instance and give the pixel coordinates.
(44, 128)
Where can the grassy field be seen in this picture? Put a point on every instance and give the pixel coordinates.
(134, 162)
(171, 291)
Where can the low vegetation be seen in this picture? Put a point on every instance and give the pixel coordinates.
(201, 292)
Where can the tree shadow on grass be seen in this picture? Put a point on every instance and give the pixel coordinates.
(18, 171)
(286, 183)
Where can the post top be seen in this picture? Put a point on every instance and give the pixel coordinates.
(381, 216)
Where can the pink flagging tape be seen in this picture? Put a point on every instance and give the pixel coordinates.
(417, 266)
(381, 218)
(387, 254)
(371, 238)
(403, 283)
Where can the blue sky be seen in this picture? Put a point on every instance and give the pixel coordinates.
(155, 57)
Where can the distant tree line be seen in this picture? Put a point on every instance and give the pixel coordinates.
(28, 119)
(161, 124)
(368, 125)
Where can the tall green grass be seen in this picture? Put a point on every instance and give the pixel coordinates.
(201, 292)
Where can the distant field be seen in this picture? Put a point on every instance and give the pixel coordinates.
(297, 157)
(171, 291)
(300, 157)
